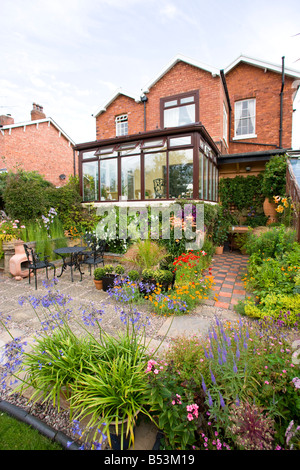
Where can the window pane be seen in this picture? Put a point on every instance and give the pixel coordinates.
(245, 117)
(186, 114)
(90, 181)
(179, 116)
(205, 177)
(188, 99)
(109, 179)
(86, 155)
(210, 167)
(121, 125)
(181, 174)
(155, 175)
(177, 141)
(170, 103)
(200, 175)
(131, 177)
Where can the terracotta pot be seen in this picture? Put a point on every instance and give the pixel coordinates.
(98, 284)
(219, 250)
(270, 210)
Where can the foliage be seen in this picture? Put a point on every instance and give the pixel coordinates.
(133, 275)
(99, 273)
(163, 276)
(253, 430)
(283, 309)
(271, 243)
(242, 192)
(241, 368)
(105, 376)
(274, 177)
(10, 229)
(221, 226)
(284, 209)
(25, 195)
(145, 254)
(148, 274)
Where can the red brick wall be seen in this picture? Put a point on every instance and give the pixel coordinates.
(105, 122)
(38, 148)
(180, 79)
(246, 81)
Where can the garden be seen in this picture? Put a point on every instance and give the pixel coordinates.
(236, 389)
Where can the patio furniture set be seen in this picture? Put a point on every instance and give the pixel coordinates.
(72, 256)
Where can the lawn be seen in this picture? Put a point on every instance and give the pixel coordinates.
(16, 435)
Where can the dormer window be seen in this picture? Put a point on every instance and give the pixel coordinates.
(180, 110)
(121, 125)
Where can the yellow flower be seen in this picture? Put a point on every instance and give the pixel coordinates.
(279, 209)
(277, 199)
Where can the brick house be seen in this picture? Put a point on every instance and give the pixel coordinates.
(37, 145)
(191, 125)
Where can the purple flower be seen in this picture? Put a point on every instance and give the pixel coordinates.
(222, 403)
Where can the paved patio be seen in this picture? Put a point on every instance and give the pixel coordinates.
(228, 271)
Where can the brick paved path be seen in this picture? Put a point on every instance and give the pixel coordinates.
(228, 271)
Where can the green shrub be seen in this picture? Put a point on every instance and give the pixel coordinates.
(163, 276)
(274, 177)
(119, 269)
(99, 273)
(148, 274)
(277, 241)
(283, 308)
(133, 275)
(24, 195)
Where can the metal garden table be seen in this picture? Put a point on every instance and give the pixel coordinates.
(74, 253)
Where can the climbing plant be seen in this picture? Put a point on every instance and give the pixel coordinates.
(241, 192)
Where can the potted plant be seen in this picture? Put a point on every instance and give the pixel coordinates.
(163, 277)
(133, 275)
(99, 274)
(220, 234)
(148, 282)
(111, 273)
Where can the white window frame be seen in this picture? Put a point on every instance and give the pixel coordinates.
(121, 125)
(236, 121)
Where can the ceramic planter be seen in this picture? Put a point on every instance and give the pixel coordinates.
(108, 281)
(98, 284)
(219, 250)
(270, 210)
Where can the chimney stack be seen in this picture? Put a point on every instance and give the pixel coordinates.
(37, 112)
(6, 120)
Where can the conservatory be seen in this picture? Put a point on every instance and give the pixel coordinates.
(159, 165)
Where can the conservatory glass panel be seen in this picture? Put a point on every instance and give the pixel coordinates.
(90, 181)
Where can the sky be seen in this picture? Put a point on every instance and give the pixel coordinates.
(71, 56)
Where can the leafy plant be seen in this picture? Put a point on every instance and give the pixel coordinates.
(251, 428)
(274, 177)
(148, 274)
(145, 254)
(133, 275)
(163, 276)
(99, 273)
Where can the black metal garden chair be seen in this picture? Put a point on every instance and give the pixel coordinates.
(35, 263)
(95, 253)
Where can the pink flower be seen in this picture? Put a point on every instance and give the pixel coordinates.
(156, 371)
(266, 382)
(190, 417)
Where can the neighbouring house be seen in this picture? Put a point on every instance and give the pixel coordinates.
(192, 125)
(37, 145)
